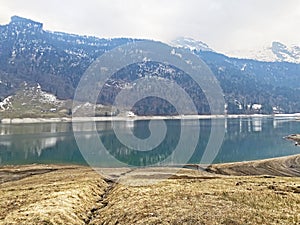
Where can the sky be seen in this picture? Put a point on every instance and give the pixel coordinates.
(225, 25)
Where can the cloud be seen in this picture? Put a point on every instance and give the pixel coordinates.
(224, 25)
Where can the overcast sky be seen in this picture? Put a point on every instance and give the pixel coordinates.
(225, 25)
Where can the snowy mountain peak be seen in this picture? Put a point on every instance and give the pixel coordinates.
(189, 43)
(277, 52)
(285, 53)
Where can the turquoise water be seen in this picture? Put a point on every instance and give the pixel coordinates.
(244, 139)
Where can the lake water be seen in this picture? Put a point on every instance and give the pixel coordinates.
(245, 139)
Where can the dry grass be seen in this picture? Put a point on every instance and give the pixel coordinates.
(77, 195)
(198, 200)
(63, 196)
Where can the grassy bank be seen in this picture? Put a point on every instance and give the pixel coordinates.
(41, 194)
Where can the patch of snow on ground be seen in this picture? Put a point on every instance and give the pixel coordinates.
(49, 98)
(6, 103)
(244, 67)
(173, 52)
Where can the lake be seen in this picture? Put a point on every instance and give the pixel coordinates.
(49, 143)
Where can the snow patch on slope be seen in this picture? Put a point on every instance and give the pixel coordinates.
(6, 103)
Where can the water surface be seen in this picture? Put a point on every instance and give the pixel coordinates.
(245, 139)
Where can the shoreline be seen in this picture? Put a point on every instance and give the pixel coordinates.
(278, 166)
(135, 118)
(285, 166)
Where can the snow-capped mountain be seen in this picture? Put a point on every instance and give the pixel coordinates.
(189, 43)
(285, 53)
(277, 52)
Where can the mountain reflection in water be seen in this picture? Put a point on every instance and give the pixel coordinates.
(245, 139)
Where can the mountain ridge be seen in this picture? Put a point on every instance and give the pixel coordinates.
(56, 61)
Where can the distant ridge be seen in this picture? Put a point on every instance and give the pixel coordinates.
(276, 52)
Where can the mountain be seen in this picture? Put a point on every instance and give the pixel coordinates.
(55, 62)
(191, 44)
(277, 52)
(286, 54)
(273, 85)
